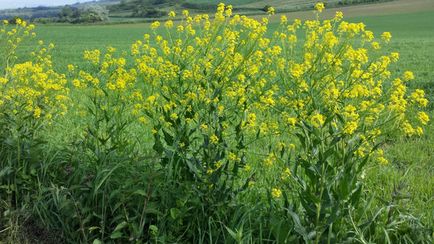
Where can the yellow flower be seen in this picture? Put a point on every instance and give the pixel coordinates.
(350, 127)
(204, 126)
(172, 14)
(276, 193)
(423, 118)
(214, 139)
(379, 157)
(251, 119)
(386, 36)
(319, 7)
(419, 131)
(418, 97)
(317, 120)
(394, 56)
(155, 25)
(232, 156)
(292, 121)
(297, 70)
(339, 15)
(283, 19)
(375, 45)
(174, 116)
(382, 160)
(271, 158)
(408, 75)
(37, 112)
(408, 129)
(271, 11)
(168, 24)
(286, 174)
(71, 67)
(142, 120)
(92, 56)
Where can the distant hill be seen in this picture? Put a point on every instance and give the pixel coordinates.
(146, 10)
(49, 12)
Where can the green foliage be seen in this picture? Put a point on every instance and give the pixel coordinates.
(143, 8)
(87, 14)
(148, 13)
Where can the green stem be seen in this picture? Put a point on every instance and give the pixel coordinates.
(16, 168)
(322, 184)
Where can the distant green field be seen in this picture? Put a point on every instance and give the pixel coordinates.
(411, 32)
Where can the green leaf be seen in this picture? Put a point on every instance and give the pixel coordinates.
(6, 171)
(297, 225)
(168, 138)
(232, 233)
(120, 226)
(96, 241)
(116, 235)
(174, 213)
(140, 192)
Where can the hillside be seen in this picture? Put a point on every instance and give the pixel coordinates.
(49, 12)
(146, 10)
(157, 8)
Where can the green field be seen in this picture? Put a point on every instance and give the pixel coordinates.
(404, 184)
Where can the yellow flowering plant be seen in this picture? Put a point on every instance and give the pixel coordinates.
(11, 37)
(209, 119)
(218, 85)
(32, 96)
(342, 98)
(102, 151)
(196, 85)
(111, 104)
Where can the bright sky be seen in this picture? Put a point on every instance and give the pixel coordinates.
(5, 4)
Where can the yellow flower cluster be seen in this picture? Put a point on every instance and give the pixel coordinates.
(10, 38)
(209, 88)
(32, 87)
(228, 80)
(113, 84)
(319, 7)
(274, 83)
(276, 193)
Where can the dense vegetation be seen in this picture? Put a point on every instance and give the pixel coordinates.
(88, 14)
(192, 137)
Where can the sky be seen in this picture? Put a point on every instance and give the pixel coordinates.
(5, 4)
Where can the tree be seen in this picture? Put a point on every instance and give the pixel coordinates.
(67, 14)
(93, 13)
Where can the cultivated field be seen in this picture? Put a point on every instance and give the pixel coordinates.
(158, 154)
